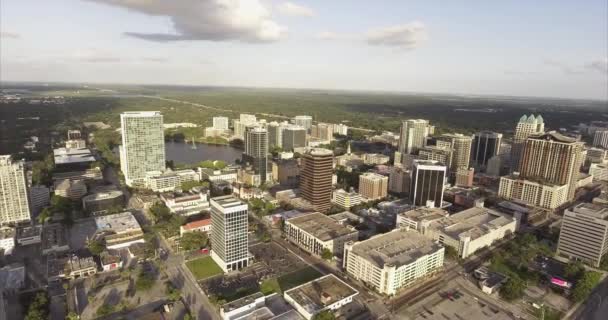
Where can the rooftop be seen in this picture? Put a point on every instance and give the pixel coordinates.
(67, 155)
(319, 152)
(140, 113)
(119, 222)
(316, 295)
(27, 232)
(398, 247)
(227, 201)
(6, 233)
(103, 195)
(373, 176)
(242, 302)
(594, 210)
(424, 213)
(553, 136)
(473, 222)
(197, 224)
(12, 276)
(320, 226)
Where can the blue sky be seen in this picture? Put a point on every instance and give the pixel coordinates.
(527, 48)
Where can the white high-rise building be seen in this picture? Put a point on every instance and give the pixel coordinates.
(220, 123)
(413, 135)
(229, 243)
(143, 145)
(303, 121)
(340, 129)
(600, 139)
(14, 201)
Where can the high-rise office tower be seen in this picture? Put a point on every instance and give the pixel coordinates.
(229, 243)
(14, 201)
(220, 123)
(322, 131)
(293, 137)
(461, 150)
(303, 121)
(584, 234)
(316, 178)
(553, 158)
(600, 139)
(143, 145)
(275, 133)
(527, 126)
(373, 186)
(437, 153)
(256, 150)
(486, 144)
(413, 135)
(427, 183)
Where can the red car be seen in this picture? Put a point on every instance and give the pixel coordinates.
(204, 250)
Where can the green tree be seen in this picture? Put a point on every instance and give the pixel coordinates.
(193, 241)
(171, 292)
(604, 263)
(326, 254)
(512, 289)
(96, 247)
(72, 316)
(44, 215)
(188, 316)
(574, 270)
(188, 185)
(144, 282)
(324, 315)
(160, 212)
(104, 310)
(451, 253)
(39, 308)
(585, 285)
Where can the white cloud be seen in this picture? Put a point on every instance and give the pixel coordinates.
(406, 36)
(213, 20)
(328, 35)
(9, 35)
(292, 9)
(600, 65)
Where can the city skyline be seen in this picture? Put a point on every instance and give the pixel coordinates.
(314, 44)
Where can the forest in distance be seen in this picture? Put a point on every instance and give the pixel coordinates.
(377, 111)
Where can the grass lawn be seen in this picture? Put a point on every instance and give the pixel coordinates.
(289, 280)
(203, 268)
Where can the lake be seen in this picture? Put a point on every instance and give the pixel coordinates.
(181, 152)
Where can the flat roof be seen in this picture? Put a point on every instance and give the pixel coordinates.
(227, 201)
(398, 247)
(473, 222)
(424, 213)
(71, 155)
(289, 315)
(320, 226)
(594, 210)
(6, 233)
(119, 222)
(317, 294)
(111, 194)
(54, 235)
(242, 302)
(140, 113)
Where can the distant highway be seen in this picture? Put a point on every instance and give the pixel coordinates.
(228, 110)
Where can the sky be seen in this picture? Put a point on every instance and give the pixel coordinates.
(545, 48)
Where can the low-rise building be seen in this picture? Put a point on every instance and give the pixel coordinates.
(243, 308)
(102, 202)
(229, 175)
(71, 189)
(7, 240)
(315, 232)
(346, 218)
(597, 155)
(584, 233)
(110, 261)
(470, 230)
(345, 199)
(392, 261)
(70, 267)
(417, 217)
(599, 171)
(203, 225)
(29, 235)
(325, 293)
(72, 159)
(54, 239)
(75, 144)
(119, 230)
(186, 203)
(375, 158)
(90, 176)
(169, 180)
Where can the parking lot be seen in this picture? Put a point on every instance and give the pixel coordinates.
(273, 261)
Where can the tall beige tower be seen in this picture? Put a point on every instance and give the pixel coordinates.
(527, 126)
(461, 150)
(373, 186)
(14, 202)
